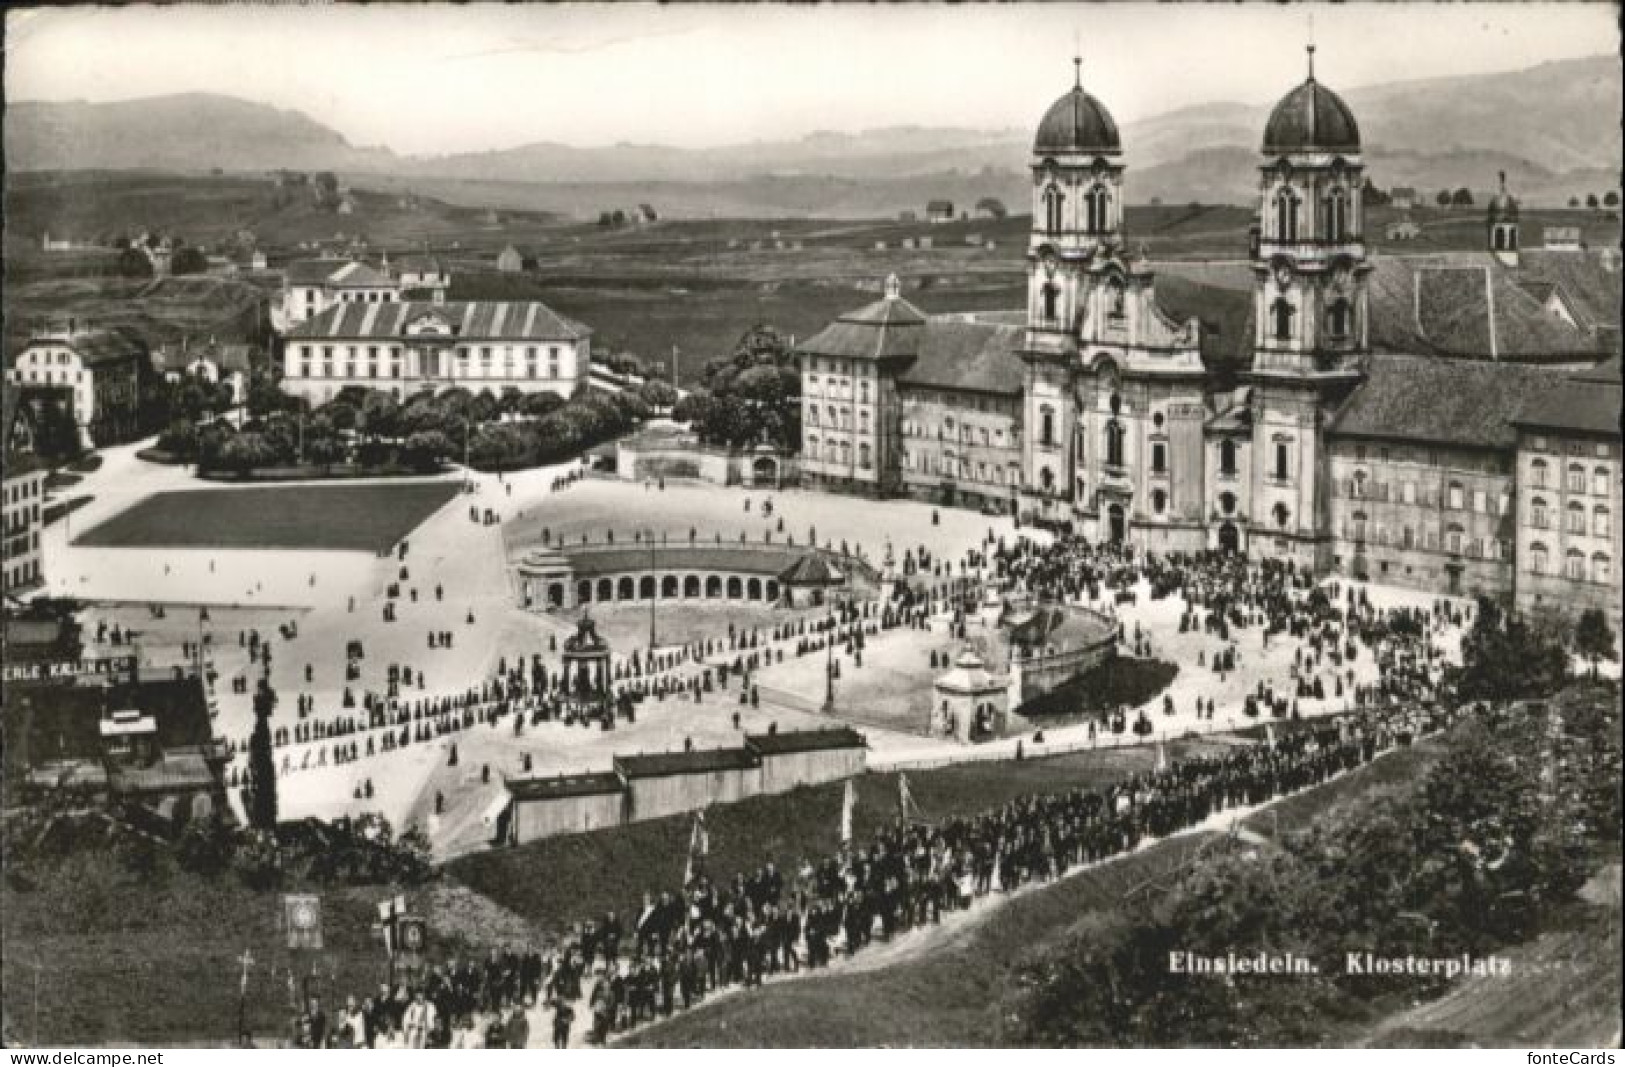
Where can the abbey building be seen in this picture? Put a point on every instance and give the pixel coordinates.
(1373, 416)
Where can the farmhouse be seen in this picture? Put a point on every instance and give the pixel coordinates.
(404, 347)
(939, 211)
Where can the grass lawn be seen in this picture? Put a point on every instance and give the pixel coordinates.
(561, 880)
(338, 518)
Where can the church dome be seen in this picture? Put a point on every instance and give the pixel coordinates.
(1503, 205)
(1077, 123)
(1311, 118)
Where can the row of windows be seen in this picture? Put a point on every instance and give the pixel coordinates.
(838, 452)
(1456, 496)
(1339, 322)
(1333, 221)
(818, 364)
(1540, 518)
(52, 377)
(1454, 539)
(24, 489)
(965, 435)
(837, 418)
(22, 574)
(1096, 218)
(394, 351)
(1540, 476)
(1601, 569)
(393, 370)
(1602, 449)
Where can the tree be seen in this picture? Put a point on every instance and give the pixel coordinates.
(1372, 196)
(538, 404)
(1443, 198)
(56, 434)
(1462, 197)
(1591, 200)
(657, 394)
(1610, 199)
(133, 263)
(188, 261)
(327, 189)
(1574, 201)
(992, 207)
(261, 765)
(1504, 657)
(424, 451)
(1594, 638)
(246, 452)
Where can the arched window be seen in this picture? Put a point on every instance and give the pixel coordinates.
(1282, 312)
(1577, 518)
(1286, 216)
(1599, 481)
(846, 453)
(1577, 478)
(1096, 201)
(1046, 422)
(1336, 216)
(1537, 474)
(1601, 568)
(1054, 200)
(1282, 515)
(831, 453)
(812, 446)
(1159, 501)
(1457, 496)
(1227, 503)
(1498, 239)
(1227, 457)
(1601, 522)
(1052, 296)
(1358, 526)
(1046, 480)
(1537, 558)
(1537, 513)
(812, 414)
(863, 456)
(1114, 443)
(1574, 565)
(1452, 539)
(1339, 319)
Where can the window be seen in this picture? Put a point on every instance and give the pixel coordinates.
(1159, 458)
(812, 414)
(1286, 216)
(1114, 443)
(1601, 570)
(1051, 299)
(1227, 457)
(1336, 216)
(1452, 539)
(1054, 200)
(1481, 502)
(1577, 478)
(1537, 514)
(1227, 503)
(1097, 200)
(1046, 480)
(1282, 467)
(1457, 496)
(1082, 490)
(1537, 474)
(1599, 481)
(1339, 319)
(1159, 501)
(1407, 537)
(863, 456)
(1357, 486)
(1281, 313)
(1358, 526)
(1577, 519)
(1282, 515)
(1574, 565)
(1601, 524)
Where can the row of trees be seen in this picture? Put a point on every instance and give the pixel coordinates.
(1609, 199)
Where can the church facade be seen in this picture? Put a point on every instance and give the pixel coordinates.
(1254, 416)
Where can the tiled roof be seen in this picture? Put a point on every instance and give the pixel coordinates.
(886, 329)
(312, 271)
(565, 785)
(1466, 403)
(700, 761)
(1468, 305)
(810, 569)
(792, 741)
(1590, 289)
(954, 354)
(475, 320)
(417, 263)
(98, 347)
(359, 276)
(1588, 401)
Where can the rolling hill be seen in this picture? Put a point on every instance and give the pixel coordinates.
(1554, 128)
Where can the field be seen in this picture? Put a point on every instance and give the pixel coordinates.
(347, 518)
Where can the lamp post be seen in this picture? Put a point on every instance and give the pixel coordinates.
(654, 589)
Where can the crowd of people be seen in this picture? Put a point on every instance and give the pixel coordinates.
(688, 942)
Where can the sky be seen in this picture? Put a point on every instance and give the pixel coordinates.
(433, 79)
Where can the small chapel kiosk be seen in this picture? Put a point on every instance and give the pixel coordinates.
(971, 702)
(586, 673)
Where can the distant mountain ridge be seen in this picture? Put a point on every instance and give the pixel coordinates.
(1554, 128)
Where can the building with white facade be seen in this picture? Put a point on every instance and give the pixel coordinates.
(406, 347)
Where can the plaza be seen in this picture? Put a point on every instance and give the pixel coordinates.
(459, 580)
